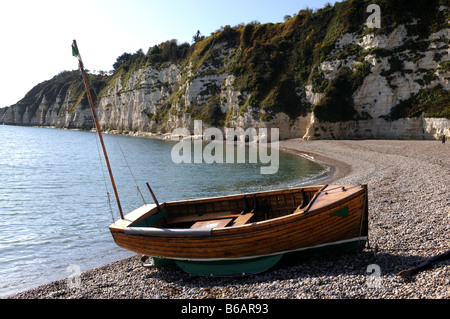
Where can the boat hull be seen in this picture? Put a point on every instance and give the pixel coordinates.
(336, 219)
(229, 268)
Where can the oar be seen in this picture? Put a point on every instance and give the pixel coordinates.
(154, 197)
(154, 219)
(307, 208)
(254, 204)
(245, 205)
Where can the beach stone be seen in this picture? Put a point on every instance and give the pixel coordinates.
(409, 210)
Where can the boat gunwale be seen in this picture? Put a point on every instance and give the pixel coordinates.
(313, 188)
(301, 215)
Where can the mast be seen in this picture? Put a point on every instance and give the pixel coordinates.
(91, 102)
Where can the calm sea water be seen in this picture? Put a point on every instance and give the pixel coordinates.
(54, 211)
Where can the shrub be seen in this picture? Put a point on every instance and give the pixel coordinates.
(430, 102)
(337, 104)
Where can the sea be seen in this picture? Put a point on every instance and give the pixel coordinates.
(56, 199)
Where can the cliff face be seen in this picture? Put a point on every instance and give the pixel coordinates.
(59, 102)
(316, 76)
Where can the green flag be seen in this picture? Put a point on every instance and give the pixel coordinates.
(75, 51)
(76, 54)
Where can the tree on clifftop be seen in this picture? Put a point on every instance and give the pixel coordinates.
(121, 60)
(197, 37)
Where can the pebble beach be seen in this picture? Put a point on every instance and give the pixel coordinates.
(409, 221)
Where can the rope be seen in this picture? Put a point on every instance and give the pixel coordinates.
(101, 162)
(129, 168)
(361, 224)
(109, 204)
(142, 196)
(104, 179)
(120, 148)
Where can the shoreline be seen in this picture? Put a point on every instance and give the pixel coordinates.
(408, 222)
(337, 169)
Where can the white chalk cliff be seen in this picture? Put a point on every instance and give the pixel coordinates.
(174, 90)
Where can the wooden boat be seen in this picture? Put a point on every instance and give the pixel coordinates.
(242, 234)
(247, 233)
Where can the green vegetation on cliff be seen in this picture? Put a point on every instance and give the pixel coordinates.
(273, 63)
(58, 87)
(433, 102)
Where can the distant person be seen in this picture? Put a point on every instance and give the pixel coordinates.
(443, 139)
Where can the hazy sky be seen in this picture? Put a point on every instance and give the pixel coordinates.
(36, 35)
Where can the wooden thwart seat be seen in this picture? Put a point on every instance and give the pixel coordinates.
(210, 224)
(243, 219)
(204, 217)
(220, 223)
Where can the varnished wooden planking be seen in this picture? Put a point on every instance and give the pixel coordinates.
(246, 245)
(281, 234)
(231, 249)
(209, 224)
(243, 219)
(281, 203)
(195, 218)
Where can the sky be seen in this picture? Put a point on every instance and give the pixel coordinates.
(36, 36)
